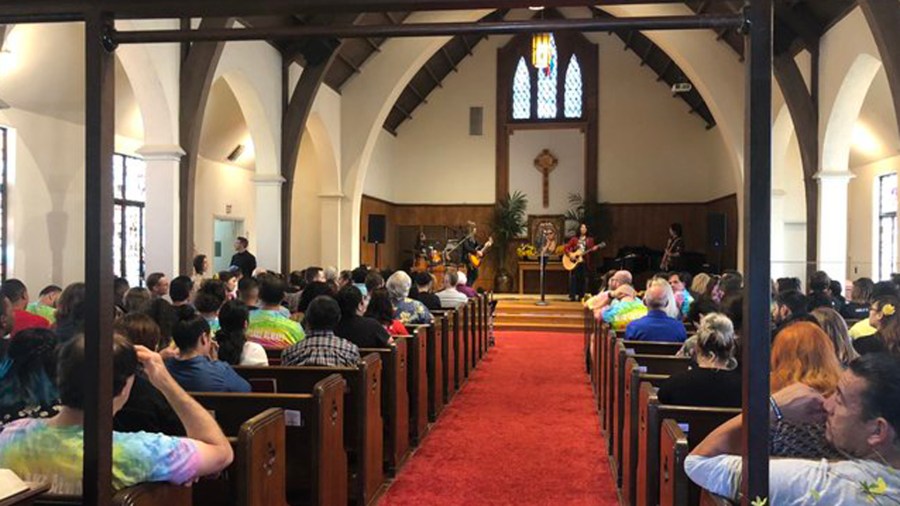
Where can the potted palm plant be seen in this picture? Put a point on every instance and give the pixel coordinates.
(509, 223)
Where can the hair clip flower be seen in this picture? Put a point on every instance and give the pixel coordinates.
(888, 309)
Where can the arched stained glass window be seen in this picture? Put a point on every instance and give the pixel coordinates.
(522, 91)
(573, 90)
(547, 85)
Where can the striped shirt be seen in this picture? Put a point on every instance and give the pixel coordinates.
(273, 330)
(322, 348)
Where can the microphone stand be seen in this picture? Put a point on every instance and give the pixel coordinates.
(541, 258)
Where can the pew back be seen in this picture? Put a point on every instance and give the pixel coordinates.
(394, 402)
(673, 485)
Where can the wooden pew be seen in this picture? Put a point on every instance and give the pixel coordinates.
(363, 423)
(449, 361)
(702, 421)
(145, 494)
(616, 361)
(673, 449)
(459, 354)
(316, 462)
(417, 382)
(636, 372)
(479, 326)
(653, 348)
(434, 365)
(274, 357)
(465, 328)
(394, 403)
(471, 337)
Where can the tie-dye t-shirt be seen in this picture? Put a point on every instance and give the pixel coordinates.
(272, 330)
(48, 312)
(620, 314)
(38, 452)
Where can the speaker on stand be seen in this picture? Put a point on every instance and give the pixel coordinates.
(377, 232)
(717, 235)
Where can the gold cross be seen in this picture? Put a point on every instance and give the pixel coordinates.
(545, 163)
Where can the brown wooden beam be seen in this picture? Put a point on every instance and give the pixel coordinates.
(449, 59)
(346, 61)
(883, 17)
(402, 111)
(665, 70)
(433, 77)
(196, 79)
(100, 104)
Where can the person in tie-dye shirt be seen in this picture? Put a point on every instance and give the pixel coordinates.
(268, 325)
(51, 450)
(45, 306)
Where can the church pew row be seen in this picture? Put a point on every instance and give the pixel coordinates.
(144, 494)
(394, 403)
(363, 424)
(701, 421)
(673, 450)
(315, 458)
(417, 382)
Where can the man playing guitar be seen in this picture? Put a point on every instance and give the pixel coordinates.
(472, 253)
(580, 246)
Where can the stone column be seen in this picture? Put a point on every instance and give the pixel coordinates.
(266, 245)
(833, 215)
(162, 207)
(778, 255)
(332, 237)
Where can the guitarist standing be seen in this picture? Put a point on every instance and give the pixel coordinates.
(472, 249)
(580, 245)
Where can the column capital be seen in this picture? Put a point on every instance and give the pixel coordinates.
(268, 180)
(161, 152)
(834, 175)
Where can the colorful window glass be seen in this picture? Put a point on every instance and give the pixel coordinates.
(547, 85)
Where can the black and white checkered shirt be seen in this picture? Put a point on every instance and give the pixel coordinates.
(322, 348)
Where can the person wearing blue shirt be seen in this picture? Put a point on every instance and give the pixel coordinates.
(657, 325)
(195, 367)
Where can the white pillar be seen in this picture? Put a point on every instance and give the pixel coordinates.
(778, 255)
(833, 213)
(268, 221)
(162, 209)
(330, 253)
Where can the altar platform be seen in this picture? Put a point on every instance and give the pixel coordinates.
(519, 312)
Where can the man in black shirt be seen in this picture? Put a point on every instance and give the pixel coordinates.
(359, 330)
(424, 295)
(243, 259)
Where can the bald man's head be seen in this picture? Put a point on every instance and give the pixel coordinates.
(620, 278)
(655, 297)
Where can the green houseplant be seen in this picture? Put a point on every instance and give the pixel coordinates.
(509, 222)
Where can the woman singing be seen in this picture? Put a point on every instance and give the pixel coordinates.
(672, 259)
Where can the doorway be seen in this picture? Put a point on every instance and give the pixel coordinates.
(225, 231)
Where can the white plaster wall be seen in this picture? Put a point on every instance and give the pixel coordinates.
(862, 229)
(566, 179)
(381, 176)
(220, 185)
(306, 237)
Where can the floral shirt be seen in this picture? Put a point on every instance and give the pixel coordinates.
(273, 330)
(620, 314)
(412, 312)
(38, 452)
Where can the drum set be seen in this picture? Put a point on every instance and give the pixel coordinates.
(431, 257)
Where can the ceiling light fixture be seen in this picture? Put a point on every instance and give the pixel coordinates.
(236, 153)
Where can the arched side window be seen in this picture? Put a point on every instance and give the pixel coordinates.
(547, 85)
(522, 91)
(573, 89)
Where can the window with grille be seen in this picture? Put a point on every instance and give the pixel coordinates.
(573, 89)
(887, 225)
(130, 194)
(522, 91)
(542, 103)
(4, 171)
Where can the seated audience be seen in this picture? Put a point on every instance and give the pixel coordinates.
(362, 331)
(268, 325)
(234, 348)
(201, 269)
(231, 283)
(857, 308)
(424, 283)
(733, 307)
(331, 278)
(321, 347)
(714, 381)
(683, 297)
(158, 284)
(836, 328)
(315, 275)
(44, 450)
(406, 310)
(17, 295)
(358, 276)
(863, 423)
(181, 291)
(45, 306)
(731, 282)
(819, 291)
(120, 287)
(165, 316)
(208, 306)
(28, 375)
(656, 325)
(785, 284)
(702, 307)
(374, 280)
(381, 310)
(450, 296)
(344, 278)
(196, 367)
(312, 290)
(137, 300)
(248, 292)
(836, 291)
(296, 285)
(605, 298)
(70, 312)
(863, 327)
(146, 409)
(882, 317)
(788, 308)
(700, 284)
(463, 287)
(625, 308)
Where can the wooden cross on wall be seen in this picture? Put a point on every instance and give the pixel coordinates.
(545, 163)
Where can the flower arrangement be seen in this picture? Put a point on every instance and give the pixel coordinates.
(526, 251)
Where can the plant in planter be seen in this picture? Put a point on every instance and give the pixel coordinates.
(509, 223)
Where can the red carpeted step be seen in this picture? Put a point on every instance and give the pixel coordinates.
(522, 431)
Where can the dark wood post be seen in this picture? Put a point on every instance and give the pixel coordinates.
(98, 266)
(757, 218)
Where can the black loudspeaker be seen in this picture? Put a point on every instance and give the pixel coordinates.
(716, 230)
(377, 228)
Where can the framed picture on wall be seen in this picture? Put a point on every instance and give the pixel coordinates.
(536, 223)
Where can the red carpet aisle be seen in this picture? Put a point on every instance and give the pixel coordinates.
(522, 431)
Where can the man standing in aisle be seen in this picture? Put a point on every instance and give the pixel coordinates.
(243, 259)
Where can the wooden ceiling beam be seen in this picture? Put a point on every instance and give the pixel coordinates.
(433, 77)
(665, 70)
(647, 53)
(346, 61)
(449, 58)
(402, 111)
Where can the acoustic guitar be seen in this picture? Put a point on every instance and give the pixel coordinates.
(573, 259)
(475, 259)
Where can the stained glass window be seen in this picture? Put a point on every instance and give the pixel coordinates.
(887, 225)
(4, 170)
(130, 192)
(573, 89)
(522, 91)
(547, 85)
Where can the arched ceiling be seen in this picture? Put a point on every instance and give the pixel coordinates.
(224, 128)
